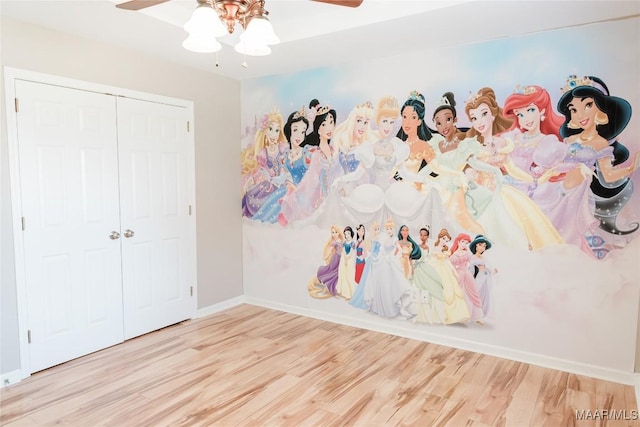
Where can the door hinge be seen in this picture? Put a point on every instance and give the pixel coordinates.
(29, 336)
(188, 126)
(17, 104)
(189, 210)
(22, 222)
(191, 290)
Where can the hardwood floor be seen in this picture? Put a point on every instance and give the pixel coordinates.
(251, 366)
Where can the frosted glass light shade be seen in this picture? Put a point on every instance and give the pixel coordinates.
(205, 20)
(201, 44)
(259, 31)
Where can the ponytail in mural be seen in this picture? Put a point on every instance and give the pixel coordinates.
(610, 120)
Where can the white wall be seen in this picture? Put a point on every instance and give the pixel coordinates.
(217, 123)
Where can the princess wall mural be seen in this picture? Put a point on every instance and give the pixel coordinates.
(456, 204)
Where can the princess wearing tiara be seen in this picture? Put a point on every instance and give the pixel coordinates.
(538, 150)
(386, 283)
(268, 151)
(593, 121)
(510, 217)
(349, 138)
(445, 119)
(296, 161)
(324, 168)
(536, 135)
(409, 199)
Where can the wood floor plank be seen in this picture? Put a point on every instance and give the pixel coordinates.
(251, 366)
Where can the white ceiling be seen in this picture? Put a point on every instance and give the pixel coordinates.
(315, 34)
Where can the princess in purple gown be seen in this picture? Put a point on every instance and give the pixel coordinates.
(566, 200)
(536, 137)
(593, 121)
(269, 149)
(328, 273)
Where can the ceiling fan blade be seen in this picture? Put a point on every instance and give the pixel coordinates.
(139, 4)
(348, 3)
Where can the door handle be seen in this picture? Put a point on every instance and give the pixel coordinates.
(114, 235)
(128, 233)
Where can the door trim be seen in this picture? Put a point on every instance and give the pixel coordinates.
(11, 75)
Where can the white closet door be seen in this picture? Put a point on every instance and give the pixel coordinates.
(69, 186)
(157, 273)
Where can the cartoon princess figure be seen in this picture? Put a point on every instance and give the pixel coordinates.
(455, 308)
(347, 266)
(269, 147)
(460, 258)
(482, 271)
(361, 296)
(428, 284)
(324, 168)
(296, 162)
(510, 214)
(536, 135)
(386, 283)
(328, 272)
(593, 121)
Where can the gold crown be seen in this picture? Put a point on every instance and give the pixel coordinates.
(366, 104)
(389, 103)
(300, 113)
(573, 82)
(323, 110)
(524, 90)
(473, 97)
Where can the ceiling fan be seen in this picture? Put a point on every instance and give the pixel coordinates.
(141, 4)
(216, 18)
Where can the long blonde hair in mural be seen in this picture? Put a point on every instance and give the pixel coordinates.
(343, 135)
(387, 107)
(272, 118)
(328, 250)
(314, 287)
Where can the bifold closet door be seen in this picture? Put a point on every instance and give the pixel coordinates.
(71, 220)
(157, 273)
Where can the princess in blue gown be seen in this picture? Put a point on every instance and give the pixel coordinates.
(296, 161)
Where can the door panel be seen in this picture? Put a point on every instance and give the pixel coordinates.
(70, 202)
(153, 150)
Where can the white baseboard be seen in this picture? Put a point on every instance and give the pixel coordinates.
(224, 305)
(10, 378)
(621, 377)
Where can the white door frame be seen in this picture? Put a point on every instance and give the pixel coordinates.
(10, 76)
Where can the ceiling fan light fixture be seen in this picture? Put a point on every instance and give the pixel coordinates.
(205, 20)
(259, 31)
(217, 18)
(201, 43)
